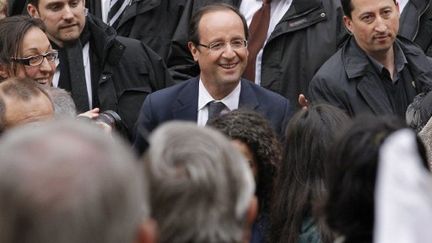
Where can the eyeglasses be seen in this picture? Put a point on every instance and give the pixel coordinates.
(37, 60)
(222, 45)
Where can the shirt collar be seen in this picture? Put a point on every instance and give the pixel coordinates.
(231, 101)
(400, 60)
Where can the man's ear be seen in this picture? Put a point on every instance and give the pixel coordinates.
(32, 11)
(147, 232)
(194, 50)
(348, 23)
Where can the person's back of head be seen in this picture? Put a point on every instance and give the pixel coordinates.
(300, 183)
(351, 174)
(23, 101)
(66, 183)
(253, 130)
(202, 188)
(64, 106)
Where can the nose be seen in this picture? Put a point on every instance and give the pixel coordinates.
(380, 25)
(67, 13)
(47, 66)
(229, 52)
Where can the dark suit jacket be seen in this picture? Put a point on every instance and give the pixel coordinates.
(180, 102)
(153, 22)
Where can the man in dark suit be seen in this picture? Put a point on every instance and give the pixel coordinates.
(153, 22)
(218, 41)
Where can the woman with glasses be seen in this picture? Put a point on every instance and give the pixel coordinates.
(25, 50)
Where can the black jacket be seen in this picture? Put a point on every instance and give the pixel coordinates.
(307, 35)
(124, 71)
(150, 21)
(348, 80)
(416, 23)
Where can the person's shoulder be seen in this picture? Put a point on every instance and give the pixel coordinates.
(171, 92)
(265, 94)
(408, 46)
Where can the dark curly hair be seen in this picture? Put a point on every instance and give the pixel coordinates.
(254, 130)
(300, 184)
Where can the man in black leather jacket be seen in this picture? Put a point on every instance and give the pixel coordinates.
(375, 71)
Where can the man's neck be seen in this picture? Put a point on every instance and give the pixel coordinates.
(387, 59)
(58, 43)
(218, 92)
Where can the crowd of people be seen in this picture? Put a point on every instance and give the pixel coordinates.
(223, 121)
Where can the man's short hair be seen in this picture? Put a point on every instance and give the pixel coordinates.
(201, 186)
(67, 182)
(194, 35)
(348, 7)
(21, 89)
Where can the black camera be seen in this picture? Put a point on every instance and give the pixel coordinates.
(111, 118)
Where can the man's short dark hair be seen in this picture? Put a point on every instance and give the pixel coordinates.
(194, 35)
(348, 7)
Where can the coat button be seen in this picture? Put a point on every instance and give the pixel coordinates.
(323, 15)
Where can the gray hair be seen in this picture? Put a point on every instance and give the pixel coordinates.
(64, 106)
(67, 183)
(201, 185)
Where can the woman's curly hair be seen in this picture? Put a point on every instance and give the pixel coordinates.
(254, 130)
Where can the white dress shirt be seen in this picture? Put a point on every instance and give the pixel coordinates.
(278, 10)
(231, 101)
(402, 4)
(105, 9)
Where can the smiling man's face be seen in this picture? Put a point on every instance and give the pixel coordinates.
(224, 67)
(64, 19)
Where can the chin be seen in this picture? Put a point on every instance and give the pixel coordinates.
(70, 38)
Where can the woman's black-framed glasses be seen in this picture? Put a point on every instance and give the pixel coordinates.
(37, 60)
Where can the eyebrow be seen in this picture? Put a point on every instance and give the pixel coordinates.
(34, 49)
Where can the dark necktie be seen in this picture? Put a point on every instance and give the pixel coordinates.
(257, 36)
(214, 109)
(115, 12)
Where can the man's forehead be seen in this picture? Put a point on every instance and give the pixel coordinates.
(369, 4)
(46, 2)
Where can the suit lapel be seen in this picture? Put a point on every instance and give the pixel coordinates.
(186, 105)
(248, 98)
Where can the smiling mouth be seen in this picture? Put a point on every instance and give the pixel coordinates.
(229, 65)
(44, 81)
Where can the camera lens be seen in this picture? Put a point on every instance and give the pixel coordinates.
(110, 118)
